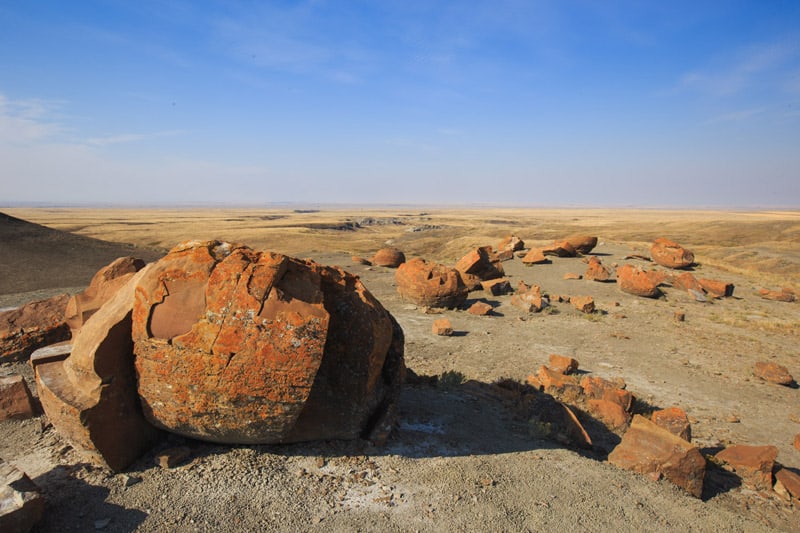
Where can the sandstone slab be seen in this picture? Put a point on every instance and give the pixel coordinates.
(753, 464)
(535, 256)
(674, 420)
(480, 309)
(479, 265)
(651, 450)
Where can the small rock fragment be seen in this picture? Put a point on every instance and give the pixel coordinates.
(480, 309)
(535, 257)
(584, 304)
(679, 316)
(442, 327)
(790, 481)
(596, 271)
(497, 287)
(572, 276)
(777, 296)
(15, 398)
(21, 503)
(562, 364)
(674, 420)
(172, 457)
(773, 372)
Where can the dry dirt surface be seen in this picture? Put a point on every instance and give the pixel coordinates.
(458, 460)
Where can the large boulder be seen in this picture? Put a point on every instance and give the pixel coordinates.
(388, 257)
(670, 254)
(237, 346)
(634, 280)
(107, 281)
(88, 389)
(649, 449)
(430, 284)
(583, 244)
(479, 265)
(34, 325)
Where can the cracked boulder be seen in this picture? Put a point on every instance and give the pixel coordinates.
(237, 346)
(670, 254)
(430, 284)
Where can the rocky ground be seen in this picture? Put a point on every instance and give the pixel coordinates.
(458, 460)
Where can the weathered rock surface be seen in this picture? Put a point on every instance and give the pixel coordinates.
(584, 304)
(259, 347)
(686, 281)
(529, 298)
(634, 280)
(102, 287)
(21, 502)
(15, 398)
(562, 363)
(582, 244)
(479, 265)
(670, 254)
(610, 413)
(535, 256)
(773, 372)
(649, 449)
(596, 270)
(88, 391)
(753, 464)
(430, 284)
(36, 324)
(388, 257)
(510, 243)
(480, 309)
(674, 420)
(442, 327)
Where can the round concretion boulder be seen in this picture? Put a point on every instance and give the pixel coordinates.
(671, 254)
(430, 284)
(388, 257)
(237, 346)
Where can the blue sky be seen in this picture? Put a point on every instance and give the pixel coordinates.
(555, 103)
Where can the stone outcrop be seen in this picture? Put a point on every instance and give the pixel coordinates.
(88, 389)
(102, 287)
(16, 400)
(670, 254)
(753, 464)
(773, 372)
(479, 265)
(388, 257)
(596, 270)
(258, 347)
(529, 298)
(32, 326)
(674, 420)
(634, 280)
(21, 503)
(649, 449)
(442, 327)
(582, 244)
(431, 284)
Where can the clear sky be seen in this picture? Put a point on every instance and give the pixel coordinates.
(556, 103)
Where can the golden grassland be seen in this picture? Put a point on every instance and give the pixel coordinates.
(764, 244)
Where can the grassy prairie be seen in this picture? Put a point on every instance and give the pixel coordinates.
(765, 244)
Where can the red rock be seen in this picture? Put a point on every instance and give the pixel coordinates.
(430, 284)
(36, 324)
(679, 316)
(388, 257)
(258, 347)
(511, 243)
(564, 386)
(790, 482)
(609, 413)
(172, 457)
(753, 464)
(529, 299)
(717, 289)
(535, 256)
(480, 309)
(671, 254)
(479, 265)
(442, 327)
(504, 255)
(620, 397)
(89, 393)
(497, 287)
(773, 372)
(102, 287)
(596, 271)
(21, 503)
(686, 281)
(777, 296)
(15, 398)
(562, 364)
(560, 249)
(649, 449)
(583, 244)
(674, 420)
(657, 277)
(602, 389)
(584, 304)
(360, 260)
(572, 276)
(797, 441)
(634, 280)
